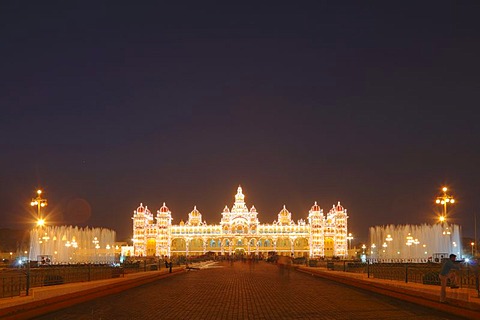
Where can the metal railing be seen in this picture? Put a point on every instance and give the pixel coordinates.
(19, 281)
(425, 273)
(15, 282)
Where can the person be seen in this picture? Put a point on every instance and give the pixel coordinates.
(447, 273)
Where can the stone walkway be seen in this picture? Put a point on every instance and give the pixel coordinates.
(243, 290)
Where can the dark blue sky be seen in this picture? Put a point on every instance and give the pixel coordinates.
(106, 106)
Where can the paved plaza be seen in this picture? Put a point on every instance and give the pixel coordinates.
(243, 290)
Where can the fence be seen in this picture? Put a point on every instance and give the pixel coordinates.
(425, 273)
(15, 282)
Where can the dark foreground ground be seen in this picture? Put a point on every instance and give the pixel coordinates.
(245, 291)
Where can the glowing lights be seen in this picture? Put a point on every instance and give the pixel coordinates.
(444, 200)
(40, 203)
(350, 238)
(412, 241)
(239, 231)
(64, 244)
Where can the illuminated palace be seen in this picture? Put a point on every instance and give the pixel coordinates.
(240, 232)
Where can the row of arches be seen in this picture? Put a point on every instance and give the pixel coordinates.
(181, 245)
(199, 246)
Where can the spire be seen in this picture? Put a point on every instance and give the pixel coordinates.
(239, 197)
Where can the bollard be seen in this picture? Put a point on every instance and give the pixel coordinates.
(27, 287)
(406, 273)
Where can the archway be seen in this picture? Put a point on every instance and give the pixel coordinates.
(329, 247)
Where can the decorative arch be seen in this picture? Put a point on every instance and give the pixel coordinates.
(329, 246)
(151, 246)
(178, 244)
(301, 243)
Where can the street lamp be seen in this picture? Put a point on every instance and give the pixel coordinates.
(472, 244)
(68, 245)
(97, 246)
(39, 202)
(444, 200)
(350, 238)
(389, 239)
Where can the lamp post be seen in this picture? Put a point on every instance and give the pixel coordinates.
(473, 245)
(389, 239)
(97, 246)
(74, 246)
(68, 245)
(107, 255)
(444, 200)
(350, 238)
(409, 243)
(39, 202)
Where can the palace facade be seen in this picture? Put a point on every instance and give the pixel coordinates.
(240, 232)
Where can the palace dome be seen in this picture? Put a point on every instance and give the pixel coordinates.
(195, 212)
(315, 207)
(339, 207)
(141, 208)
(164, 208)
(284, 216)
(284, 212)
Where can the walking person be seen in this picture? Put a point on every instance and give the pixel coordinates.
(448, 273)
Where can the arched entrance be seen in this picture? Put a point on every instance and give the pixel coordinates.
(329, 247)
(151, 247)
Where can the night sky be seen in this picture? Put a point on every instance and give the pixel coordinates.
(105, 106)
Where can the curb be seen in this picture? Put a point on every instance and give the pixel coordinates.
(458, 308)
(44, 306)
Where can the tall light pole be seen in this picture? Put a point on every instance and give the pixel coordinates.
(350, 238)
(97, 246)
(444, 200)
(389, 239)
(39, 202)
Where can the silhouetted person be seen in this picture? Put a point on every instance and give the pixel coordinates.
(448, 272)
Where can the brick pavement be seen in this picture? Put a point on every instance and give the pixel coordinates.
(246, 291)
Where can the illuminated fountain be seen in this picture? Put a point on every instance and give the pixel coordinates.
(417, 243)
(414, 243)
(68, 244)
